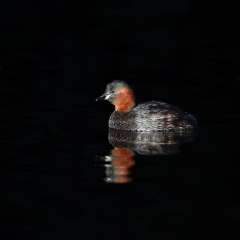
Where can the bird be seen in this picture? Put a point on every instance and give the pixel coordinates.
(149, 116)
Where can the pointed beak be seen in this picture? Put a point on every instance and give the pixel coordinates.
(105, 96)
(102, 97)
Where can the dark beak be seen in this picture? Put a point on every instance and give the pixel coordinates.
(102, 97)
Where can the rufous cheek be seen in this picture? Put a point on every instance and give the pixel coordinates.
(124, 100)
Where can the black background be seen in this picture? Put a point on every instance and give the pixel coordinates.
(56, 57)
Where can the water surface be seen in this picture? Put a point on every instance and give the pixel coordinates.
(62, 189)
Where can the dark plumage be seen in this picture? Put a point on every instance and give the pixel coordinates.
(145, 117)
(152, 116)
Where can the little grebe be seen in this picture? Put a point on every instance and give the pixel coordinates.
(145, 117)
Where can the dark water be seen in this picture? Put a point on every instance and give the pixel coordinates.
(62, 190)
(53, 65)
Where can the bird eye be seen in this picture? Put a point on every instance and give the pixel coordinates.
(111, 92)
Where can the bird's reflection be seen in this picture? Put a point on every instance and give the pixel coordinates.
(150, 143)
(118, 165)
(120, 161)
